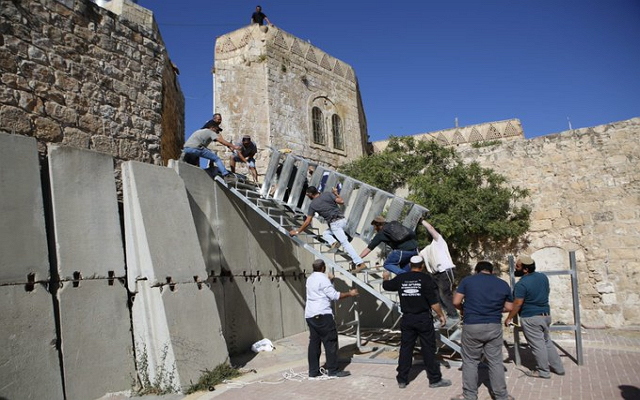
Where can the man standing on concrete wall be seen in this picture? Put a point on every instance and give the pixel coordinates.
(397, 260)
(322, 326)
(326, 205)
(418, 297)
(259, 17)
(198, 142)
(531, 302)
(485, 298)
(440, 265)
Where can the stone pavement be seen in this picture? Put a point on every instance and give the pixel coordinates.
(611, 370)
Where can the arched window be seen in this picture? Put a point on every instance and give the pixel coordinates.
(318, 126)
(336, 127)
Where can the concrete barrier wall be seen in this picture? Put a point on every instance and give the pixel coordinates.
(176, 326)
(98, 358)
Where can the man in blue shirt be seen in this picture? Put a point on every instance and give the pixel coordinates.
(322, 326)
(532, 303)
(483, 297)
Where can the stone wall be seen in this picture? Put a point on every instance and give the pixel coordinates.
(585, 196)
(510, 129)
(76, 74)
(266, 83)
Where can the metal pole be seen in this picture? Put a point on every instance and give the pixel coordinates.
(576, 306)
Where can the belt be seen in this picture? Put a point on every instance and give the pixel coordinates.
(334, 220)
(544, 314)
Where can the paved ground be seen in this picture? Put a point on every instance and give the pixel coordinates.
(611, 370)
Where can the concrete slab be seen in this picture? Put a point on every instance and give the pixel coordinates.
(97, 345)
(269, 308)
(177, 333)
(241, 329)
(292, 301)
(85, 213)
(23, 240)
(162, 242)
(233, 233)
(201, 192)
(29, 362)
(196, 332)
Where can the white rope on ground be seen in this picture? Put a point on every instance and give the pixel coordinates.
(290, 375)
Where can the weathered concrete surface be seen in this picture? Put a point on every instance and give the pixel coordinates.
(97, 346)
(241, 328)
(161, 239)
(177, 330)
(23, 240)
(29, 363)
(85, 213)
(292, 299)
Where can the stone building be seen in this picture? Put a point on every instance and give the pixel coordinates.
(286, 93)
(585, 197)
(77, 74)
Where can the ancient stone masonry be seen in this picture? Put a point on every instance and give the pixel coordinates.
(510, 129)
(287, 93)
(585, 196)
(76, 74)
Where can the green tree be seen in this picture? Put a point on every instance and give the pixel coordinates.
(474, 208)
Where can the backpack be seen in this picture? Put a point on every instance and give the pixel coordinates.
(396, 231)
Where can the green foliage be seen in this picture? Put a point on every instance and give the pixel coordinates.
(162, 383)
(474, 208)
(209, 378)
(485, 143)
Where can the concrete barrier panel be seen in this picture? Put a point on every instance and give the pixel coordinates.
(161, 240)
(233, 234)
(85, 213)
(23, 240)
(97, 347)
(29, 362)
(196, 332)
(292, 301)
(241, 329)
(201, 192)
(268, 307)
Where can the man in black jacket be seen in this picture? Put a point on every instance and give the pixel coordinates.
(418, 297)
(398, 260)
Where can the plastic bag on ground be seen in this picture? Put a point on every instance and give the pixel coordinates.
(262, 345)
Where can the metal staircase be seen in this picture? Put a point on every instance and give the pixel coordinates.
(280, 202)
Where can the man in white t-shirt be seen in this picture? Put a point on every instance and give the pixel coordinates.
(322, 326)
(440, 265)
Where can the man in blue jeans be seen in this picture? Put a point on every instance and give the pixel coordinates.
(196, 145)
(398, 260)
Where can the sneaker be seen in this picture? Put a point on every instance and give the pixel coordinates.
(357, 268)
(334, 247)
(402, 385)
(440, 383)
(340, 374)
(230, 178)
(558, 373)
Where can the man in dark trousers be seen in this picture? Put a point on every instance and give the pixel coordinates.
(531, 302)
(483, 297)
(418, 297)
(322, 326)
(397, 260)
(326, 205)
(258, 17)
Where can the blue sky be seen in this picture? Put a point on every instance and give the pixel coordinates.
(421, 64)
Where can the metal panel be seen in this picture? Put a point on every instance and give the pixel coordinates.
(283, 179)
(315, 180)
(271, 172)
(347, 189)
(332, 181)
(358, 208)
(395, 209)
(377, 206)
(411, 220)
(298, 183)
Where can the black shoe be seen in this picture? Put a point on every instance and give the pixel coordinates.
(440, 383)
(402, 385)
(340, 374)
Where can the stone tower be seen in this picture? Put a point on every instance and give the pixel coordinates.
(286, 93)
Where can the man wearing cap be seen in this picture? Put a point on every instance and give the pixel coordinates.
(440, 265)
(246, 153)
(418, 297)
(322, 326)
(198, 142)
(326, 205)
(483, 297)
(531, 302)
(397, 260)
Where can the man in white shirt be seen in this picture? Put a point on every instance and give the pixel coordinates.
(440, 265)
(322, 326)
